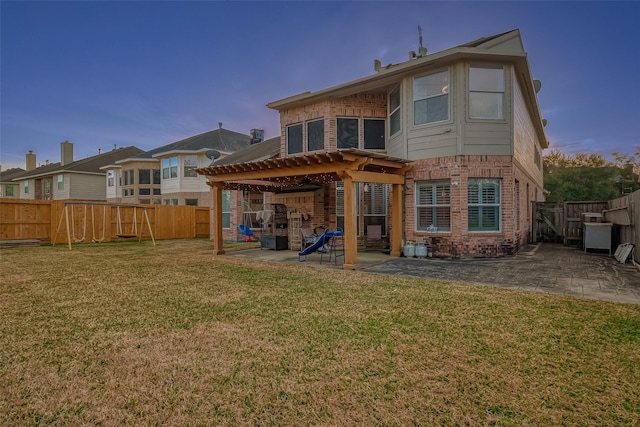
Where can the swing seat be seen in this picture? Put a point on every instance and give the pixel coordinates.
(127, 236)
(247, 231)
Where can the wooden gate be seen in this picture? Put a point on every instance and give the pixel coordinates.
(562, 222)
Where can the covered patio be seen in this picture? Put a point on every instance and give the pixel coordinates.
(288, 173)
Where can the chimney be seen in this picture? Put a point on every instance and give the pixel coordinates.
(66, 153)
(219, 125)
(31, 160)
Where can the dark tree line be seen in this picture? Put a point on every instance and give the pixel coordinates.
(585, 176)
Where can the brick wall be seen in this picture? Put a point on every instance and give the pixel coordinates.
(460, 242)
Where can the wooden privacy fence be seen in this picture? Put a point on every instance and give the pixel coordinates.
(39, 219)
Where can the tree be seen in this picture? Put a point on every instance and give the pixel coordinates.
(585, 176)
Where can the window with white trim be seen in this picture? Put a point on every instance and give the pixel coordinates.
(486, 92)
(394, 111)
(189, 165)
(431, 98)
(111, 178)
(340, 205)
(433, 206)
(484, 204)
(169, 168)
(294, 139)
(60, 179)
(226, 209)
(26, 187)
(374, 205)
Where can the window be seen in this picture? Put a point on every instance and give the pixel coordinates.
(126, 177)
(484, 205)
(47, 187)
(374, 134)
(347, 133)
(156, 192)
(26, 187)
(191, 202)
(486, 93)
(190, 163)
(536, 158)
(375, 205)
(315, 135)
(174, 202)
(340, 205)
(156, 176)
(131, 179)
(132, 192)
(170, 168)
(294, 139)
(433, 206)
(144, 176)
(126, 192)
(226, 209)
(60, 180)
(8, 190)
(431, 98)
(144, 192)
(166, 202)
(111, 179)
(394, 111)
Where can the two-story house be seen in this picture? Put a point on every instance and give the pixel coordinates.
(8, 188)
(444, 148)
(69, 179)
(167, 174)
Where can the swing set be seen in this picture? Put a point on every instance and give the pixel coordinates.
(77, 233)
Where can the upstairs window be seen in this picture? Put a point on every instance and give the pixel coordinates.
(484, 204)
(26, 187)
(431, 98)
(170, 168)
(60, 182)
(347, 133)
(156, 176)
(315, 135)
(374, 134)
(394, 111)
(486, 93)
(190, 163)
(111, 178)
(294, 139)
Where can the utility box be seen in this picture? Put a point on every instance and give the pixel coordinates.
(597, 235)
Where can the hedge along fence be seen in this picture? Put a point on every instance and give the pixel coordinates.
(40, 219)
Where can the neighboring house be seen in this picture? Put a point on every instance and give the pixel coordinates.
(445, 148)
(8, 188)
(77, 180)
(167, 174)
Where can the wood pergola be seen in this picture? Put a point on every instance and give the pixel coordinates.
(287, 173)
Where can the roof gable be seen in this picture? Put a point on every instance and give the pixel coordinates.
(219, 139)
(90, 165)
(11, 174)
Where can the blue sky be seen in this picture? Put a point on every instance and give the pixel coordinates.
(143, 73)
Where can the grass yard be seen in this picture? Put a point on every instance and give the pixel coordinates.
(131, 334)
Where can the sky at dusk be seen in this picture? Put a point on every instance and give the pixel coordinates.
(104, 74)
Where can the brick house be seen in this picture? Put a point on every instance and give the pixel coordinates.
(445, 147)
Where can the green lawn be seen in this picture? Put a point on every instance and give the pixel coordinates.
(131, 334)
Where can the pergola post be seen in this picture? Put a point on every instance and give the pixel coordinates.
(396, 219)
(350, 224)
(216, 214)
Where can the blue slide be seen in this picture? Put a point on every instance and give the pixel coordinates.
(322, 240)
